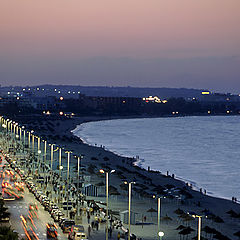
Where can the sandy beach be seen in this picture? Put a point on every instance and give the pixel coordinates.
(148, 183)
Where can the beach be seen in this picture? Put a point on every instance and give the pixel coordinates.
(148, 183)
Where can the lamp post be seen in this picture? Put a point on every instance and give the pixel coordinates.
(107, 175)
(9, 125)
(78, 169)
(59, 168)
(160, 234)
(45, 158)
(60, 198)
(199, 225)
(14, 127)
(68, 163)
(51, 145)
(16, 132)
(129, 205)
(199, 222)
(24, 135)
(29, 139)
(20, 133)
(159, 214)
(39, 152)
(60, 162)
(33, 138)
(52, 150)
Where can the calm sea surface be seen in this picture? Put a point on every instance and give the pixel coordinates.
(202, 150)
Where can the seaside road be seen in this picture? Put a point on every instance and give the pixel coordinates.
(20, 207)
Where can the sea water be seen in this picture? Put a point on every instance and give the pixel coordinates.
(202, 150)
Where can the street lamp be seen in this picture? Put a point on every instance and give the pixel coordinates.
(39, 152)
(16, 128)
(24, 135)
(60, 168)
(160, 234)
(20, 133)
(199, 225)
(11, 126)
(60, 161)
(29, 140)
(129, 206)
(68, 163)
(45, 158)
(33, 138)
(159, 213)
(199, 222)
(51, 145)
(78, 169)
(107, 173)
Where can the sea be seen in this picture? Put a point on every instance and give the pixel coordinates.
(201, 150)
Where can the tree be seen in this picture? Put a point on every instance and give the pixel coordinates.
(6, 233)
(3, 211)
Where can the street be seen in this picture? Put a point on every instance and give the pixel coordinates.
(21, 206)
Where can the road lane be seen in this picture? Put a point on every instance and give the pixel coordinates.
(21, 206)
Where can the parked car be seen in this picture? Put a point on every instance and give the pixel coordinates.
(61, 220)
(57, 216)
(66, 226)
(77, 233)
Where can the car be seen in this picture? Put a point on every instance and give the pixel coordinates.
(61, 221)
(66, 226)
(77, 233)
(52, 231)
(19, 186)
(54, 212)
(33, 209)
(45, 202)
(53, 207)
(28, 224)
(42, 197)
(49, 205)
(57, 217)
(77, 236)
(31, 235)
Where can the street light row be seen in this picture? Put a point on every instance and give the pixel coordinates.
(8, 125)
(11, 125)
(14, 128)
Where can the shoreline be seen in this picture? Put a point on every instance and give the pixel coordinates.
(196, 185)
(75, 122)
(147, 180)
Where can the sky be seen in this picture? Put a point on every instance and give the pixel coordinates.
(139, 43)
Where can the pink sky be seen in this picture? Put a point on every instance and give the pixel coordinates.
(137, 29)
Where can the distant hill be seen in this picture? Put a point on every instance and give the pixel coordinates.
(68, 90)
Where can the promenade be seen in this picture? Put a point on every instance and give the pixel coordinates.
(64, 178)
